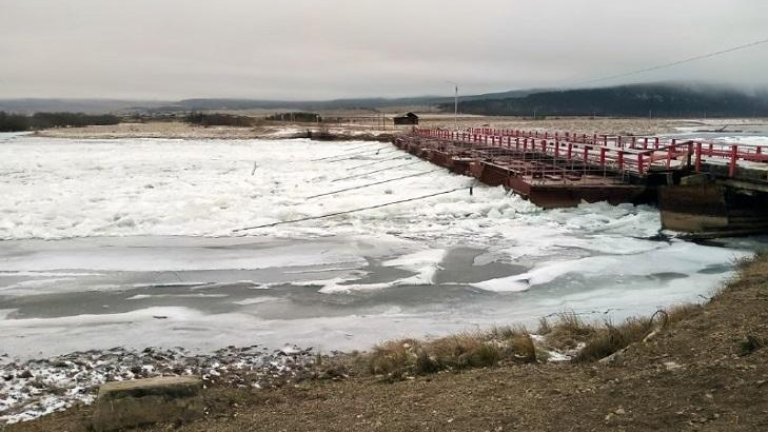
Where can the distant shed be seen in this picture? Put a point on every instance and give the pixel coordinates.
(408, 119)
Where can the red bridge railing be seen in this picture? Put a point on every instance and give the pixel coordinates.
(633, 154)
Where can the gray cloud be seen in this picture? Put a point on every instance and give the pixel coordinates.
(305, 49)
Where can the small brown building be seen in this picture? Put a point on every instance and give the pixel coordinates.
(409, 119)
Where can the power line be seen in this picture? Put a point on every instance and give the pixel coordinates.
(675, 63)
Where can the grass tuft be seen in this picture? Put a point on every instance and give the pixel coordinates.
(545, 327)
(568, 333)
(523, 348)
(398, 359)
(425, 364)
(392, 357)
(611, 339)
(680, 312)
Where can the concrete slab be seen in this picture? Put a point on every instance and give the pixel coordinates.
(129, 404)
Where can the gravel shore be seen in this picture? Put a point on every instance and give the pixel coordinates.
(35, 388)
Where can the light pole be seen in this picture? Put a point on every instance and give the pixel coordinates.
(455, 106)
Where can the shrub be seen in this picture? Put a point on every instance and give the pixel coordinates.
(44, 120)
(13, 122)
(298, 117)
(214, 119)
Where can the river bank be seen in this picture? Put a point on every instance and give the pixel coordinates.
(707, 372)
(180, 130)
(360, 130)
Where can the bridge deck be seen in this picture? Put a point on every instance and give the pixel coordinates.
(634, 155)
(559, 170)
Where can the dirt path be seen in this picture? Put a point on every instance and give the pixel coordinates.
(705, 373)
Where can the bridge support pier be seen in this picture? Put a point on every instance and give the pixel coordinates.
(707, 209)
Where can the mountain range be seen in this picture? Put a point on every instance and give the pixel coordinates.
(639, 100)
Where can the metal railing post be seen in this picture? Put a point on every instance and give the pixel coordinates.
(698, 157)
(734, 159)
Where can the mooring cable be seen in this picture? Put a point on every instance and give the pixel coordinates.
(375, 172)
(378, 152)
(346, 154)
(329, 215)
(371, 184)
(376, 162)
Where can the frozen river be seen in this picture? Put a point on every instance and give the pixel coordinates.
(137, 243)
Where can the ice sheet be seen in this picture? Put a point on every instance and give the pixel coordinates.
(371, 274)
(679, 257)
(71, 188)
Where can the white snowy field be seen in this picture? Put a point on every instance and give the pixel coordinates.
(139, 242)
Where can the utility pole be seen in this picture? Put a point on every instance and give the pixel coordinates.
(456, 110)
(455, 106)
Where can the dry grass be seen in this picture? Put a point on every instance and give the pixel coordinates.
(583, 341)
(393, 357)
(568, 333)
(462, 351)
(409, 357)
(521, 347)
(588, 342)
(680, 312)
(610, 338)
(545, 327)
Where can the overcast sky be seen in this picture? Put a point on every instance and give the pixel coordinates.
(317, 49)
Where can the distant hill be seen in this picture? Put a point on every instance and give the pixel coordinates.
(88, 106)
(246, 104)
(642, 100)
(99, 106)
(660, 100)
(360, 103)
